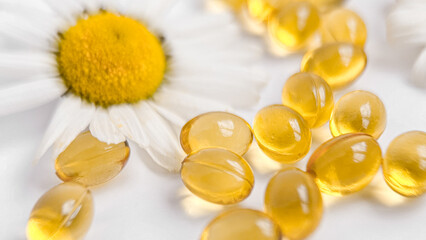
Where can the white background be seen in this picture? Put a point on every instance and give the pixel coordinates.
(144, 202)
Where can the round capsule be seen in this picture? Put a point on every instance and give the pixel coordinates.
(404, 164)
(261, 10)
(343, 25)
(216, 130)
(345, 164)
(90, 162)
(217, 175)
(310, 96)
(293, 26)
(64, 212)
(339, 64)
(282, 133)
(294, 201)
(358, 111)
(242, 224)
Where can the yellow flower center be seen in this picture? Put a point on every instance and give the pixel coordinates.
(108, 59)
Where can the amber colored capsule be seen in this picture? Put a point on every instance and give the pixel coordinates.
(293, 26)
(282, 133)
(235, 5)
(216, 130)
(339, 64)
(64, 212)
(404, 164)
(294, 201)
(310, 96)
(358, 111)
(242, 224)
(345, 164)
(90, 162)
(217, 175)
(343, 25)
(261, 10)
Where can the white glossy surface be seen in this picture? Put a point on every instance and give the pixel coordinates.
(145, 203)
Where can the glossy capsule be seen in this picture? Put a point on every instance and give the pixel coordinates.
(216, 130)
(310, 96)
(358, 111)
(345, 164)
(282, 133)
(242, 224)
(65, 212)
(339, 64)
(294, 201)
(294, 25)
(90, 162)
(404, 164)
(343, 25)
(217, 175)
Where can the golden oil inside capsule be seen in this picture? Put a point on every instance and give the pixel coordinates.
(216, 130)
(294, 201)
(345, 164)
(404, 164)
(90, 162)
(358, 111)
(310, 96)
(261, 10)
(282, 133)
(217, 175)
(343, 25)
(293, 25)
(242, 224)
(339, 64)
(65, 212)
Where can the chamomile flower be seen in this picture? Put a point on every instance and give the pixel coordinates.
(125, 69)
(406, 24)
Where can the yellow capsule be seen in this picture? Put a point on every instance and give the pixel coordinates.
(282, 133)
(216, 130)
(358, 111)
(310, 96)
(294, 201)
(217, 175)
(326, 4)
(235, 5)
(261, 10)
(345, 164)
(242, 224)
(293, 26)
(343, 25)
(65, 212)
(404, 164)
(339, 64)
(90, 162)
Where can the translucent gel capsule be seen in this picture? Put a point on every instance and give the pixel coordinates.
(294, 25)
(337, 63)
(358, 111)
(294, 201)
(242, 224)
(217, 175)
(90, 162)
(310, 96)
(65, 212)
(343, 25)
(345, 164)
(282, 133)
(404, 164)
(261, 10)
(216, 129)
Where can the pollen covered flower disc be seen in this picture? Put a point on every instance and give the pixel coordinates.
(109, 59)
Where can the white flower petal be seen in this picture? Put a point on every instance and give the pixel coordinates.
(126, 120)
(176, 120)
(164, 145)
(80, 122)
(103, 129)
(406, 22)
(418, 74)
(68, 10)
(65, 113)
(28, 95)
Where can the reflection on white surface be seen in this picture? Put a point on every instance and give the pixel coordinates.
(195, 206)
(226, 127)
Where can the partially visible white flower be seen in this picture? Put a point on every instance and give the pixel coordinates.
(406, 24)
(208, 66)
